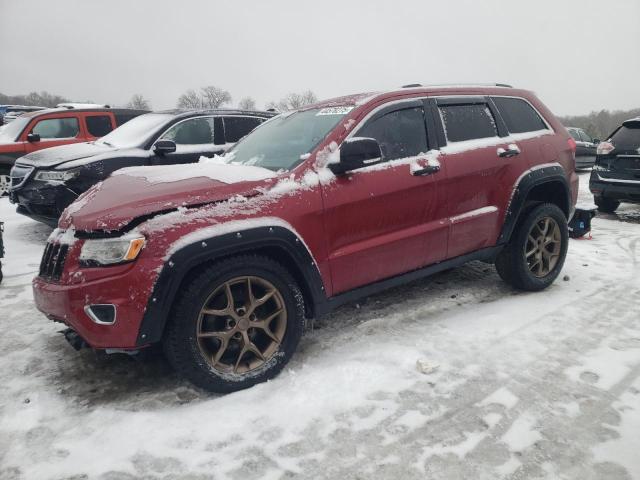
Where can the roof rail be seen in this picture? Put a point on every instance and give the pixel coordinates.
(454, 85)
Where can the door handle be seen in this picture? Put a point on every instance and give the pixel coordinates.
(428, 170)
(511, 151)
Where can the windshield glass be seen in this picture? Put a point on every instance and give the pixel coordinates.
(135, 132)
(279, 143)
(10, 131)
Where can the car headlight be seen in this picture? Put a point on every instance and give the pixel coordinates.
(56, 175)
(111, 251)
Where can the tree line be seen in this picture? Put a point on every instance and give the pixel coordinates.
(204, 97)
(600, 124)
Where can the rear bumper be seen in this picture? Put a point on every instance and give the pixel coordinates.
(616, 189)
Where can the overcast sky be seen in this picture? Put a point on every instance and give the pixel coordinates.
(577, 55)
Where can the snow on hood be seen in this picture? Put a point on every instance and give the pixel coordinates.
(50, 157)
(222, 172)
(142, 191)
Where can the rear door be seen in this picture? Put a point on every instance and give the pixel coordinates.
(194, 137)
(54, 130)
(477, 180)
(383, 220)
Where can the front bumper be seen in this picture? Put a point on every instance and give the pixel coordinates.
(42, 201)
(127, 287)
(616, 189)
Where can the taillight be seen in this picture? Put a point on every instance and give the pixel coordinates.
(572, 144)
(604, 148)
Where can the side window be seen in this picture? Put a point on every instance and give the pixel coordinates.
(574, 134)
(584, 136)
(195, 131)
(401, 133)
(124, 117)
(467, 122)
(98, 125)
(57, 128)
(518, 115)
(237, 127)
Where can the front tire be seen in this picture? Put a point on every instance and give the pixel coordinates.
(606, 205)
(537, 250)
(236, 324)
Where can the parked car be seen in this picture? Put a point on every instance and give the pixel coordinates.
(615, 176)
(44, 183)
(315, 208)
(9, 113)
(34, 131)
(585, 147)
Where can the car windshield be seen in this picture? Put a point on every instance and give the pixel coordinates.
(279, 143)
(10, 131)
(135, 132)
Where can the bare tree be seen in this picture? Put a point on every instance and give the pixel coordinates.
(138, 102)
(294, 101)
(190, 99)
(247, 103)
(214, 97)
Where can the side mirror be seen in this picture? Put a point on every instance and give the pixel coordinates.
(357, 152)
(163, 147)
(33, 137)
(596, 141)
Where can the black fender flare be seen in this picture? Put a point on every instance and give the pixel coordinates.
(183, 261)
(550, 173)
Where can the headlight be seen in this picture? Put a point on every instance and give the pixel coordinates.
(56, 175)
(110, 251)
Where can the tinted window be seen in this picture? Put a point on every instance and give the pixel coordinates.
(518, 115)
(575, 134)
(124, 117)
(585, 137)
(237, 127)
(627, 136)
(195, 131)
(400, 134)
(467, 122)
(99, 125)
(57, 128)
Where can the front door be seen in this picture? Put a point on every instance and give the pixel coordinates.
(384, 220)
(53, 132)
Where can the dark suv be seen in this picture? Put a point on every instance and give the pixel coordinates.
(615, 176)
(314, 208)
(43, 184)
(34, 131)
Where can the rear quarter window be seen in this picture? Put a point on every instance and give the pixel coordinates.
(98, 125)
(467, 122)
(627, 136)
(519, 115)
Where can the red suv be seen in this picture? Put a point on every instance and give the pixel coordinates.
(224, 261)
(49, 128)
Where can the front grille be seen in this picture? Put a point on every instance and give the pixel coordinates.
(19, 175)
(53, 259)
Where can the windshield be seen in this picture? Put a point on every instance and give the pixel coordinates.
(279, 143)
(10, 131)
(135, 132)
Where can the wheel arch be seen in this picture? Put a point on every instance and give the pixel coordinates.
(275, 242)
(544, 184)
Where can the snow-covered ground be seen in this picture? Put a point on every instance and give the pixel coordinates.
(453, 377)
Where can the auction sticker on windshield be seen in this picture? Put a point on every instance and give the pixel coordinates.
(334, 111)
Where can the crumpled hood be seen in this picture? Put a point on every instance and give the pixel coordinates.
(136, 192)
(54, 156)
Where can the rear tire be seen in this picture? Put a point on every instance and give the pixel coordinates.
(606, 205)
(535, 254)
(223, 346)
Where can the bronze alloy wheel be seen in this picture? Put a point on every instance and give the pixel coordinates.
(241, 324)
(543, 246)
